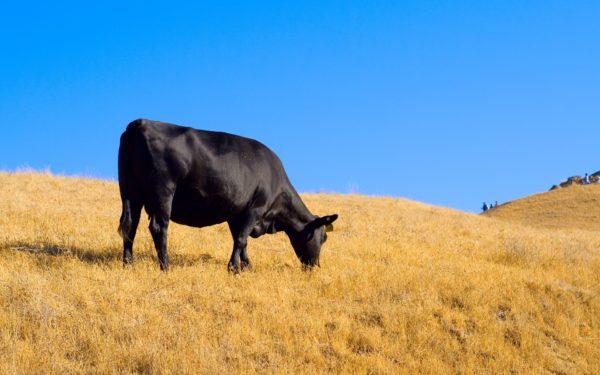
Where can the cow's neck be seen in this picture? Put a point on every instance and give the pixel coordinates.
(295, 215)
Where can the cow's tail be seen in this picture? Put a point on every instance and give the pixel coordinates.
(126, 221)
(126, 181)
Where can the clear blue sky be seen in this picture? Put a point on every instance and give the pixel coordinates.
(446, 102)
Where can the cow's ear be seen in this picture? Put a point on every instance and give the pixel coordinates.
(327, 222)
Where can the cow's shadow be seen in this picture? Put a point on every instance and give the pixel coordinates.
(104, 256)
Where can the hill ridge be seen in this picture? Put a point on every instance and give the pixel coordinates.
(573, 207)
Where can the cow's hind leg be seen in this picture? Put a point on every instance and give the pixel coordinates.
(159, 225)
(130, 218)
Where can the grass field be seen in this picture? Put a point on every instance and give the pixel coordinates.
(576, 207)
(404, 287)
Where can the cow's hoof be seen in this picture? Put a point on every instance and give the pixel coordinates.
(233, 268)
(246, 266)
(308, 267)
(127, 262)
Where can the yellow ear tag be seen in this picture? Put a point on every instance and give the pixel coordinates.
(329, 228)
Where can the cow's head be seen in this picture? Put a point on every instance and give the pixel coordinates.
(307, 243)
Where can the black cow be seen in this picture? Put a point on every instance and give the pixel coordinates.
(201, 178)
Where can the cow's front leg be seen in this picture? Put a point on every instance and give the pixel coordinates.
(235, 261)
(244, 260)
(240, 231)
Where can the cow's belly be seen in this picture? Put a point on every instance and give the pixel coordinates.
(199, 210)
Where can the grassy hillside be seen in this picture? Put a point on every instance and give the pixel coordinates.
(403, 287)
(575, 207)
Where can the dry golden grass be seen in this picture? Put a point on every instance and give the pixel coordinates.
(404, 287)
(574, 207)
